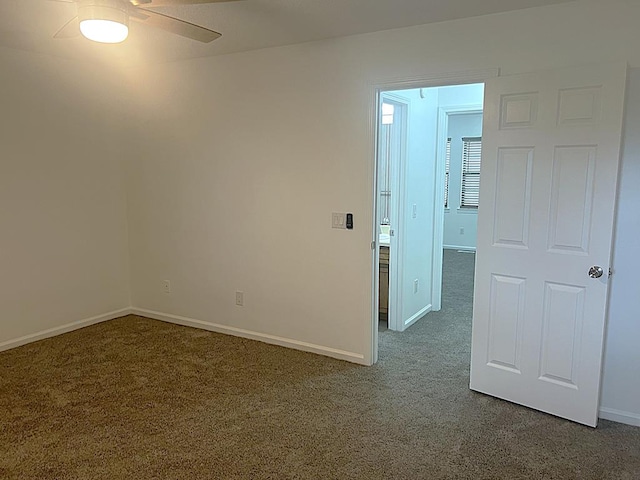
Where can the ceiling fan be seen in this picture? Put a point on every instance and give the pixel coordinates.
(107, 21)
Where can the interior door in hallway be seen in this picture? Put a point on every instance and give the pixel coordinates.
(392, 137)
(551, 148)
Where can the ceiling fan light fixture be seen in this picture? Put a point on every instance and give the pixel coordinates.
(103, 22)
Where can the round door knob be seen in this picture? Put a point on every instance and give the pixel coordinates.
(595, 271)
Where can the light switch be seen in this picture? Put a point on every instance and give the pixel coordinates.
(338, 220)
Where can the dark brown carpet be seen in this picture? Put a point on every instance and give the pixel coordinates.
(139, 399)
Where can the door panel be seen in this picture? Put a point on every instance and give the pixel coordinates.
(572, 199)
(551, 148)
(513, 197)
(506, 320)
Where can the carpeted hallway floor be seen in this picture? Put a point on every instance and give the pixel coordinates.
(139, 399)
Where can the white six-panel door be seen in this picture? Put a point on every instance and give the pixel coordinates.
(551, 149)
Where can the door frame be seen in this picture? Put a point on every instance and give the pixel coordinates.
(376, 89)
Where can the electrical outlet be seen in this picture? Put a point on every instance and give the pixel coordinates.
(461, 230)
(166, 286)
(414, 212)
(415, 286)
(240, 299)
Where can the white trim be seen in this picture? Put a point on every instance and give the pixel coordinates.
(371, 355)
(421, 313)
(69, 327)
(262, 337)
(439, 213)
(467, 211)
(619, 416)
(470, 109)
(459, 247)
(437, 80)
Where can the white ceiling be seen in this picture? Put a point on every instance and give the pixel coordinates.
(245, 25)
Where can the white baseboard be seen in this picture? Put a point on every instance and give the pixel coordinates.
(69, 327)
(418, 316)
(620, 416)
(262, 337)
(458, 247)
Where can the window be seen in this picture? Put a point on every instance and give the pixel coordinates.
(387, 114)
(471, 156)
(447, 166)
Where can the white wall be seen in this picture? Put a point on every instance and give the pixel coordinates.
(621, 383)
(419, 190)
(243, 158)
(460, 224)
(461, 95)
(63, 237)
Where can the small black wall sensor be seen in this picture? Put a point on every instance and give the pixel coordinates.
(349, 221)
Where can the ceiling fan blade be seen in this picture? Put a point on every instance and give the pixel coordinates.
(70, 30)
(174, 25)
(169, 3)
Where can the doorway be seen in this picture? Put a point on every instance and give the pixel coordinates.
(544, 237)
(429, 144)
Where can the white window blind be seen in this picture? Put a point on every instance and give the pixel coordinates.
(471, 157)
(447, 167)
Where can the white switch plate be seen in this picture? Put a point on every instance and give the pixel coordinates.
(415, 286)
(414, 212)
(338, 220)
(240, 299)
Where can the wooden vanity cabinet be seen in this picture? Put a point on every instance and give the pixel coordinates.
(384, 283)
